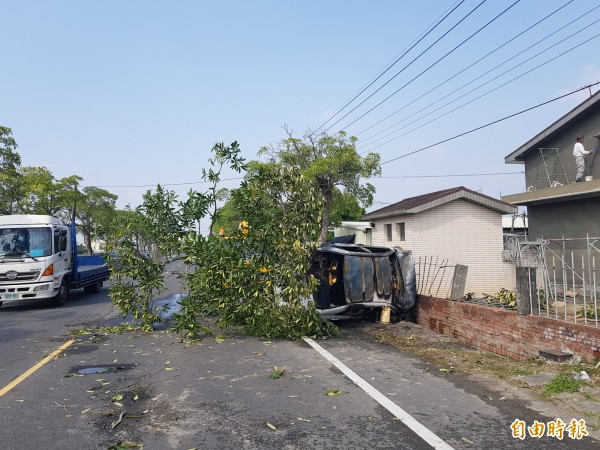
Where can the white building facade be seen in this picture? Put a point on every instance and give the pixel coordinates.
(445, 228)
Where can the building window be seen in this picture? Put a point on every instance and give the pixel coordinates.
(402, 231)
(388, 231)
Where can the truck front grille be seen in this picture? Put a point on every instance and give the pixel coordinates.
(21, 276)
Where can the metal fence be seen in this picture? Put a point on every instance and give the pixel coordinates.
(567, 276)
(434, 276)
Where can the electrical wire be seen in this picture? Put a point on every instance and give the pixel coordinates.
(240, 178)
(427, 69)
(489, 124)
(165, 184)
(476, 98)
(408, 65)
(451, 175)
(489, 81)
(460, 72)
(411, 46)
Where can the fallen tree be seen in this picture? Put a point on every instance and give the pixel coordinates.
(258, 278)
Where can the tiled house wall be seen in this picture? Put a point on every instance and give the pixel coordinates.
(461, 231)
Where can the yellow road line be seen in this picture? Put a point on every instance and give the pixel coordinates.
(23, 376)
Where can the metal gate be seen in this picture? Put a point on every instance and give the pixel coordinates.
(567, 275)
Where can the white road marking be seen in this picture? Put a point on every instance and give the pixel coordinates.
(412, 423)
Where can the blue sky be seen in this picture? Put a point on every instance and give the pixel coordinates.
(128, 93)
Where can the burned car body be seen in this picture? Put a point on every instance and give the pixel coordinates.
(353, 277)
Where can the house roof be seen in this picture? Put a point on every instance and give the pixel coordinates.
(423, 202)
(588, 106)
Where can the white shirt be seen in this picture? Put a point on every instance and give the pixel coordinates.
(578, 150)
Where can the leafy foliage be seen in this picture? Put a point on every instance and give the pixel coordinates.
(330, 163)
(43, 194)
(95, 206)
(223, 156)
(277, 373)
(136, 280)
(504, 297)
(562, 383)
(34, 190)
(344, 207)
(255, 278)
(589, 312)
(10, 179)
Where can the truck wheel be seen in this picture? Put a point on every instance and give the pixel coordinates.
(93, 288)
(63, 293)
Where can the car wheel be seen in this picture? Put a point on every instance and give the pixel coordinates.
(0, 304)
(63, 293)
(93, 288)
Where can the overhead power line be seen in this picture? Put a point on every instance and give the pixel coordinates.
(490, 80)
(462, 71)
(489, 124)
(480, 96)
(431, 28)
(428, 68)
(163, 184)
(453, 175)
(406, 66)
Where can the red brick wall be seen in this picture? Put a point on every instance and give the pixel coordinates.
(504, 332)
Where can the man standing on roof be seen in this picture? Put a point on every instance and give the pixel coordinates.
(578, 152)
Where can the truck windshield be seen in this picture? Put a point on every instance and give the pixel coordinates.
(25, 242)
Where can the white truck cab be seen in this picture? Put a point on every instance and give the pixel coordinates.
(37, 260)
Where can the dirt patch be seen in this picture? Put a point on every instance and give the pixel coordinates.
(506, 378)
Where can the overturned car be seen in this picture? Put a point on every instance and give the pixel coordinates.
(355, 277)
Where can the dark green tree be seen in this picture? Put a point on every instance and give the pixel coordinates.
(344, 207)
(10, 178)
(331, 162)
(94, 207)
(43, 194)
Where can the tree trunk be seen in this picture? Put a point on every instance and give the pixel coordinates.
(327, 200)
(87, 239)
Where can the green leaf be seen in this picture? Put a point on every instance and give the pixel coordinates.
(332, 392)
(277, 373)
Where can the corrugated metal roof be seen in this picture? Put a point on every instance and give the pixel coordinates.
(423, 202)
(518, 155)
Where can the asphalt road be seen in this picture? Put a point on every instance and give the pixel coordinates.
(220, 393)
(33, 328)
